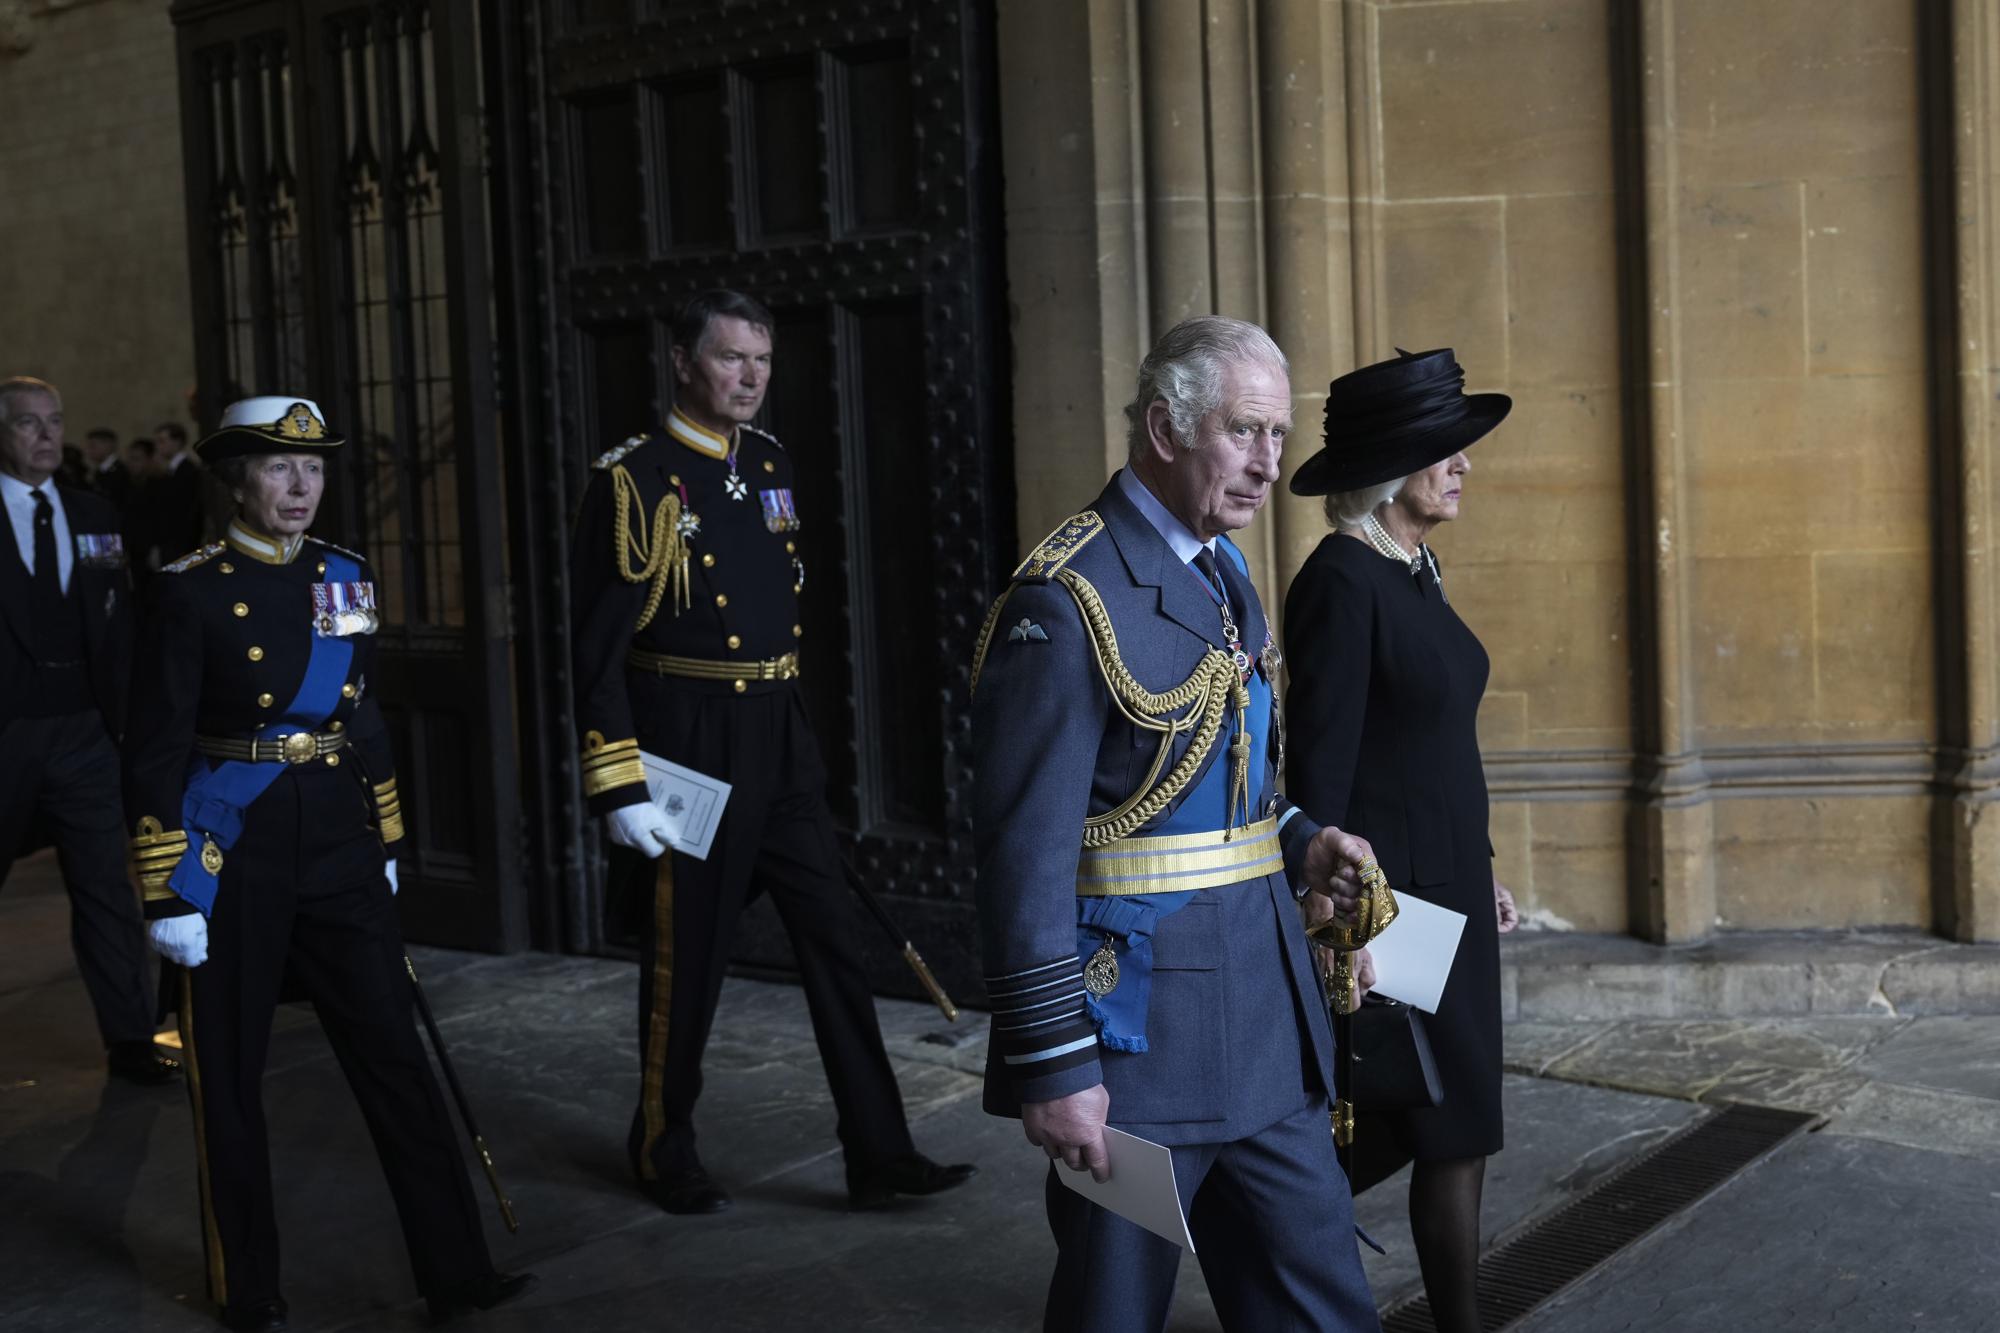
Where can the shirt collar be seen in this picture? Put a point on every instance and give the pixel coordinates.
(270, 550)
(1178, 535)
(698, 438)
(14, 488)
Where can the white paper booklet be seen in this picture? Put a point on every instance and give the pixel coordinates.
(693, 803)
(1413, 956)
(1141, 1188)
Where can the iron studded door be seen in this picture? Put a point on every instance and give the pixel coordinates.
(334, 161)
(838, 161)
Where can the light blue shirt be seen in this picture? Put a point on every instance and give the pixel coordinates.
(20, 500)
(1178, 534)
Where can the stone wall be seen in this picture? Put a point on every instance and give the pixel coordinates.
(95, 288)
(1731, 554)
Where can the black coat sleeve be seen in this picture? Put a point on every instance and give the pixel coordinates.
(159, 737)
(604, 608)
(1329, 645)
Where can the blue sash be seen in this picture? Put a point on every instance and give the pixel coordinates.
(1127, 922)
(218, 792)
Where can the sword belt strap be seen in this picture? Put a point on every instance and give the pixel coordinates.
(301, 747)
(701, 668)
(1178, 862)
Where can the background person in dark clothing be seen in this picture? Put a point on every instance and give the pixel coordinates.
(171, 519)
(107, 473)
(65, 650)
(1382, 715)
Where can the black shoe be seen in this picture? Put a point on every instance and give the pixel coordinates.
(686, 1192)
(875, 1186)
(256, 1317)
(482, 1293)
(140, 1062)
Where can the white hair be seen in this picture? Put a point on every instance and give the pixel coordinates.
(1184, 371)
(15, 386)
(1347, 510)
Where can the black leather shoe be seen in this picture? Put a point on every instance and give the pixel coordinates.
(691, 1191)
(140, 1062)
(256, 1317)
(875, 1186)
(482, 1293)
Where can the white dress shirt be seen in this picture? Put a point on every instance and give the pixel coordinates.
(20, 499)
(1178, 534)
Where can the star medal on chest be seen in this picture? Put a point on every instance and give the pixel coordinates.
(1100, 974)
(734, 485)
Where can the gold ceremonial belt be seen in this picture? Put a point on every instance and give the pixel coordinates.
(1178, 862)
(301, 747)
(700, 668)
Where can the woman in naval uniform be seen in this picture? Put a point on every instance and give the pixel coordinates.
(262, 791)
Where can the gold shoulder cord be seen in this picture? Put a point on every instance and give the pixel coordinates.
(659, 555)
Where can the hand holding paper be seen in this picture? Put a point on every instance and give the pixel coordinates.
(1141, 1187)
(1413, 956)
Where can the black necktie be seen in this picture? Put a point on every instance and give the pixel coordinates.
(1204, 560)
(47, 577)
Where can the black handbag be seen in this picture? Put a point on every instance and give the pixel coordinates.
(1393, 1066)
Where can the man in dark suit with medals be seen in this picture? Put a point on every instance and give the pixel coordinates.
(265, 824)
(65, 596)
(1138, 870)
(685, 579)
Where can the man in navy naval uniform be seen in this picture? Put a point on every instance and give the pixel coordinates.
(685, 580)
(1138, 872)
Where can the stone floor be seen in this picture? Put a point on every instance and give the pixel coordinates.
(1888, 1218)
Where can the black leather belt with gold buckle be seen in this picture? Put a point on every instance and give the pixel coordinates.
(301, 747)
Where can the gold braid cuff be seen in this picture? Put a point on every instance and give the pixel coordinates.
(155, 853)
(608, 765)
(389, 811)
(647, 554)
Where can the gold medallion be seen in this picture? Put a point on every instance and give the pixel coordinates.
(211, 856)
(1100, 974)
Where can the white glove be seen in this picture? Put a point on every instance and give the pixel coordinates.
(389, 873)
(180, 939)
(642, 827)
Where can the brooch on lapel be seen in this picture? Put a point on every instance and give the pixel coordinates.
(779, 513)
(341, 609)
(100, 550)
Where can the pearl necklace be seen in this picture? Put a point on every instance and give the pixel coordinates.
(1379, 538)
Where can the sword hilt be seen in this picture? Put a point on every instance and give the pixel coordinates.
(923, 971)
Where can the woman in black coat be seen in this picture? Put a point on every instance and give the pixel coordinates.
(1385, 689)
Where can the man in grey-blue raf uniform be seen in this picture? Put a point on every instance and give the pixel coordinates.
(1138, 870)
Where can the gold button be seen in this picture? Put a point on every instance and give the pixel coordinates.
(227, 568)
(769, 466)
(740, 687)
(333, 761)
(347, 691)
(336, 726)
(256, 653)
(263, 701)
(722, 599)
(322, 566)
(708, 562)
(798, 631)
(240, 609)
(735, 641)
(673, 479)
(791, 548)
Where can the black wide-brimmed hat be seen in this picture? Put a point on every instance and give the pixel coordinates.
(1396, 417)
(270, 425)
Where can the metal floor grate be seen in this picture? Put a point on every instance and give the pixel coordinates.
(1557, 1250)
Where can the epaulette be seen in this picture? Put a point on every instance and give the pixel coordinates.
(342, 550)
(1059, 547)
(196, 557)
(765, 433)
(609, 459)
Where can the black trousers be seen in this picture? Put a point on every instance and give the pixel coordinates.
(61, 773)
(303, 892)
(776, 837)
